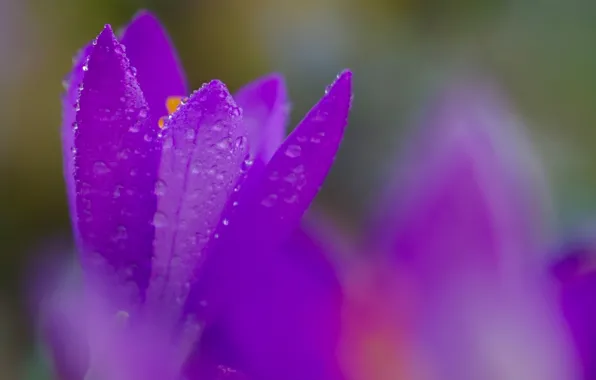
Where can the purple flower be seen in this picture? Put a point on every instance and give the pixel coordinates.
(188, 224)
(463, 228)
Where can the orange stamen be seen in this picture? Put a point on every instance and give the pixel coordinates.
(172, 104)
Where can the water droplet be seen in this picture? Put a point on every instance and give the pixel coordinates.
(122, 317)
(291, 178)
(216, 236)
(135, 128)
(240, 142)
(147, 137)
(117, 191)
(143, 113)
(190, 134)
(234, 204)
(274, 176)
(225, 222)
(160, 188)
(100, 167)
(120, 233)
(301, 139)
(224, 144)
(293, 151)
(299, 169)
(85, 67)
(270, 200)
(246, 164)
(122, 99)
(291, 198)
(160, 219)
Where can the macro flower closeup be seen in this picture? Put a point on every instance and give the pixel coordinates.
(186, 211)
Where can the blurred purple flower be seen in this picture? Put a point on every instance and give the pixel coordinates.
(464, 227)
(188, 224)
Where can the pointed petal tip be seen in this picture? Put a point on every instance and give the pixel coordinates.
(143, 18)
(106, 37)
(345, 76)
(210, 96)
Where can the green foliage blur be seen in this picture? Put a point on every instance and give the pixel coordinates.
(540, 51)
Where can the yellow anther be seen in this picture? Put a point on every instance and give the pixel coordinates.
(172, 104)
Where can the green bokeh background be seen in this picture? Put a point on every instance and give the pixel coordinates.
(541, 52)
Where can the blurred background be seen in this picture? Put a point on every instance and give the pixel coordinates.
(541, 52)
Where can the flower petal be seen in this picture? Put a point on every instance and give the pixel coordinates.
(150, 51)
(466, 202)
(576, 273)
(69, 100)
(116, 163)
(205, 146)
(285, 316)
(465, 229)
(247, 273)
(265, 108)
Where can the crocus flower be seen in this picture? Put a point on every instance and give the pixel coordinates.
(463, 231)
(186, 212)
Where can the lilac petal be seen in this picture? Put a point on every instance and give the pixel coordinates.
(116, 163)
(265, 108)
(276, 307)
(465, 203)
(69, 100)
(150, 51)
(204, 150)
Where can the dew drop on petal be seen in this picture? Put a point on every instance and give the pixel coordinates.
(190, 134)
(160, 219)
(160, 188)
(100, 167)
(270, 200)
(293, 151)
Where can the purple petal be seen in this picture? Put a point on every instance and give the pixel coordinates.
(69, 100)
(265, 108)
(577, 280)
(465, 229)
(204, 149)
(465, 203)
(116, 163)
(284, 318)
(276, 307)
(150, 51)
(57, 296)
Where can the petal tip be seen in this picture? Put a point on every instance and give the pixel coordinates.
(343, 80)
(144, 16)
(106, 37)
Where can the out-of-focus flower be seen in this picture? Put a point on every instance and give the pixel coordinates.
(188, 224)
(463, 274)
